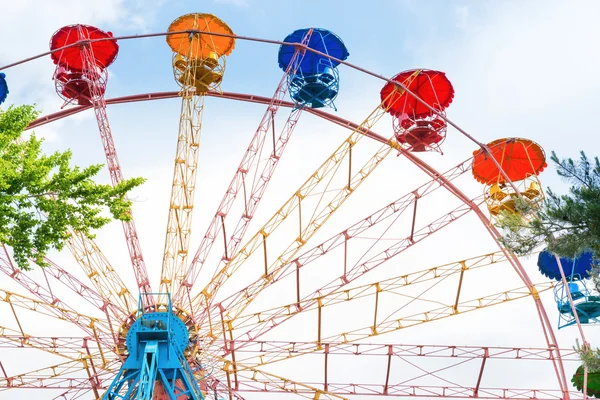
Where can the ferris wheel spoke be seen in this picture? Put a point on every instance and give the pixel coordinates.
(250, 379)
(182, 190)
(98, 329)
(55, 376)
(96, 267)
(48, 302)
(103, 276)
(86, 293)
(240, 299)
(252, 198)
(276, 316)
(388, 324)
(198, 69)
(217, 387)
(367, 359)
(450, 309)
(46, 293)
(66, 375)
(73, 394)
(247, 350)
(73, 348)
(321, 179)
(258, 324)
(116, 174)
(249, 167)
(96, 77)
(67, 347)
(340, 390)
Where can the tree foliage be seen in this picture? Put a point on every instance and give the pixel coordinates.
(589, 357)
(42, 196)
(567, 224)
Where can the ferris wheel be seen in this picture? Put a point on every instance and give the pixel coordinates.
(283, 304)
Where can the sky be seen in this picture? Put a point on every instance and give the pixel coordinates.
(519, 69)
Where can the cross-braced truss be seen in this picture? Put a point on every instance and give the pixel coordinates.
(335, 321)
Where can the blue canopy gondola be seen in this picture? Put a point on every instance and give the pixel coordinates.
(579, 269)
(321, 40)
(315, 82)
(3, 87)
(585, 299)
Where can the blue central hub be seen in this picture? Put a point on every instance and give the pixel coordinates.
(148, 325)
(156, 342)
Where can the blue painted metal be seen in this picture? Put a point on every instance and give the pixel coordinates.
(156, 342)
(321, 40)
(574, 269)
(586, 301)
(149, 370)
(3, 87)
(315, 82)
(315, 91)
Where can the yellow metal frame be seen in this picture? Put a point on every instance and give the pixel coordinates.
(387, 324)
(97, 326)
(501, 198)
(100, 272)
(307, 229)
(196, 74)
(391, 285)
(46, 344)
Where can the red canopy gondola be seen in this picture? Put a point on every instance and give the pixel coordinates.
(431, 86)
(519, 158)
(104, 52)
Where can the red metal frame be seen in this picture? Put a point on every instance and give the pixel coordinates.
(483, 147)
(396, 208)
(544, 320)
(114, 167)
(247, 167)
(46, 295)
(404, 350)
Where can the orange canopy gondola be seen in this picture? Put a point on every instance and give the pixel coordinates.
(104, 51)
(431, 86)
(519, 158)
(200, 46)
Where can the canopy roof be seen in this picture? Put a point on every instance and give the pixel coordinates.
(104, 52)
(321, 40)
(3, 87)
(200, 45)
(549, 267)
(433, 87)
(519, 158)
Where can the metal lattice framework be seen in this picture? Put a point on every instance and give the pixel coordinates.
(237, 349)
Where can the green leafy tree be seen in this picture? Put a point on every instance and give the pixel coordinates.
(566, 225)
(42, 196)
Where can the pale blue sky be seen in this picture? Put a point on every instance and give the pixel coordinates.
(519, 68)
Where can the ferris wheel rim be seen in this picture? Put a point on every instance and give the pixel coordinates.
(426, 167)
(331, 118)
